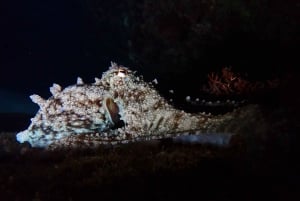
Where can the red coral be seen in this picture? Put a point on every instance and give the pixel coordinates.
(229, 83)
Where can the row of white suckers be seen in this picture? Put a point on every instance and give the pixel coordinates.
(203, 102)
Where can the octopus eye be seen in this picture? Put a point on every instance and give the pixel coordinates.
(112, 109)
(121, 73)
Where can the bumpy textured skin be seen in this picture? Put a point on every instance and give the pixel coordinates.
(118, 108)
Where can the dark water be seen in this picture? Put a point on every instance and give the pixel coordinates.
(55, 41)
(49, 41)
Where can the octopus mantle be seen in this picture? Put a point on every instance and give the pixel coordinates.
(118, 108)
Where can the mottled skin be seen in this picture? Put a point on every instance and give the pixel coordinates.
(118, 108)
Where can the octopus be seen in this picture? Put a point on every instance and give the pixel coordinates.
(119, 108)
